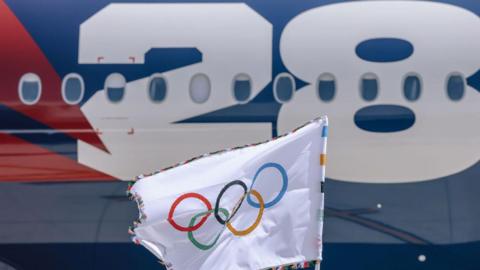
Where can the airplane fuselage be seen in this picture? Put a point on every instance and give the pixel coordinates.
(101, 91)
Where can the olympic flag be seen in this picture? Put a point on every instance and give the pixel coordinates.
(252, 207)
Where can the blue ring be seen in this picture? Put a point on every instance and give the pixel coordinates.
(282, 191)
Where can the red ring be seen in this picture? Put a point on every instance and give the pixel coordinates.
(178, 201)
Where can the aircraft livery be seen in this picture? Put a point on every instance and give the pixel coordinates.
(96, 92)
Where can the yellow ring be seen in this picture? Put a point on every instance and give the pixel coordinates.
(257, 221)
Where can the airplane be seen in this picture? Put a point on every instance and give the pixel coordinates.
(94, 93)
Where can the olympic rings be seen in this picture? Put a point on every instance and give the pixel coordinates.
(177, 202)
(257, 220)
(282, 191)
(235, 209)
(261, 205)
(192, 238)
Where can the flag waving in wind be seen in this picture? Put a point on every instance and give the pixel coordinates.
(252, 207)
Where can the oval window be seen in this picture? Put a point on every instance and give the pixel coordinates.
(115, 87)
(30, 88)
(242, 88)
(455, 87)
(200, 88)
(412, 87)
(73, 89)
(326, 87)
(157, 89)
(369, 86)
(283, 87)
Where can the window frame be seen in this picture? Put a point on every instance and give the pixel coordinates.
(19, 90)
(233, 88)
(420, 79)
(317, 85)
(198, 74)
(82, 88)
(451, 74)
(105, 87)
(274, 89)
(153, 77)
(360, 86)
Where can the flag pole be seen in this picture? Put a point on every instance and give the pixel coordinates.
(320, 218)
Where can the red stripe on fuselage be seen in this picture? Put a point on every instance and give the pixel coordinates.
(19, 54)
(21, 161)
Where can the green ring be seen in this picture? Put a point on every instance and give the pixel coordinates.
(192, 223)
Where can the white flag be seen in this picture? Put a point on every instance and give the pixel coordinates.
(251, 207)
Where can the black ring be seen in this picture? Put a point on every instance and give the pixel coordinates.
(219, 197)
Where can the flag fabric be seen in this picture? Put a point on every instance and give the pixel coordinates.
(258, 206)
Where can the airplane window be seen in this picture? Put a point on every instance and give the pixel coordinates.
(242, 88)
(73, 89)
(455, 87)
(283, 87)
(158, 89)
(369, 86)
(200, 88)
(115, 87)
(30, 88)
(412, 87)
(326, 87)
